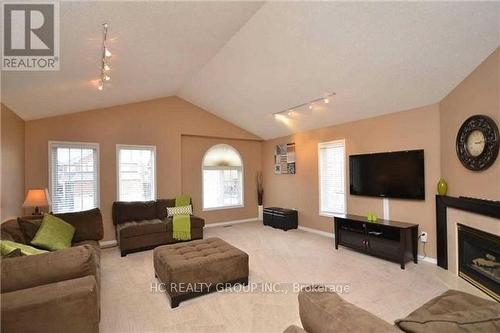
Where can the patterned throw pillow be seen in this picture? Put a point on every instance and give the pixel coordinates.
(182, 210)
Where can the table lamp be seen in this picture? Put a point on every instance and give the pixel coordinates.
(37, 198)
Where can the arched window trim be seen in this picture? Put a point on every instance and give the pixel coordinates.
(239, 168)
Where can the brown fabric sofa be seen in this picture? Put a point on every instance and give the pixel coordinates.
(143, 225)
(453, 311)
(55, 291)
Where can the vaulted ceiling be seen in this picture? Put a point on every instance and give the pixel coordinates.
(243, 61)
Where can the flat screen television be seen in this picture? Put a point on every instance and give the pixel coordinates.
(394, 175)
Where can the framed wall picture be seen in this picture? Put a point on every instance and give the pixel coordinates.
(284, 159)
(277, 169)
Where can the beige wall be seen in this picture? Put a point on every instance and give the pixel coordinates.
(157, 122)
(12, 141)
(432, 128)
(414, 129)
(479, 93)
(193, 151)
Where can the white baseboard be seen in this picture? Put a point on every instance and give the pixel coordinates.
(106, 244)
(428, 259)
(317, 232)
(222, 224)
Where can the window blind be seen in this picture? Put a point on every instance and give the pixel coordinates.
(136, 173)
(222, 187)
(332, 177)
(74, 177)
(222, 178)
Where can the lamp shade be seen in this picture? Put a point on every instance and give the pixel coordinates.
(37, 198)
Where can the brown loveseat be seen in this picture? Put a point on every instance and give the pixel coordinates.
(323, 311)
(55, 291)
(143, 225)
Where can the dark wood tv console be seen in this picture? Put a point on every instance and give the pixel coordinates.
(390, 240)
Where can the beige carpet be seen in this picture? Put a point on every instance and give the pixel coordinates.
(381, 287)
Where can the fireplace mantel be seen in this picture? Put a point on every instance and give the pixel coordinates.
(478, 206)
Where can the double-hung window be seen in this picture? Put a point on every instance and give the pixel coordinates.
(73, 176)
(222, 178)
(136, 173)
(332, 198)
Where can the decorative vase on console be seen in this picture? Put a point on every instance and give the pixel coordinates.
(442, 187)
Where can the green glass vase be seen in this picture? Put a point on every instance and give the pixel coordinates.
(442, 187)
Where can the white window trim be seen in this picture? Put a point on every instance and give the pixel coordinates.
(75, 144)
(326, 145)
(220, 168)
(122, 146)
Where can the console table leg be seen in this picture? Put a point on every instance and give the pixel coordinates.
(402, 247)
(414, 238)
(336, 236)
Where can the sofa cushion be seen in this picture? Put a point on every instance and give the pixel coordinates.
(29, 227)
(30, 271)
(54, 234)
(88, 224)
(133, 211)
(324, 311)
(137, 228)
(161, 207)
(94, 244)
(64, 306)
(454, 311)
(10, 230)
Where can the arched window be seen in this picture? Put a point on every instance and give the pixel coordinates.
(222, 178)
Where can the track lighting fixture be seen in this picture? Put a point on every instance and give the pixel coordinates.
(106, 54)
(310, 105)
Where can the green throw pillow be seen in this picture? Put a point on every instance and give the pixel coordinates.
(54, 234)
(7, 247)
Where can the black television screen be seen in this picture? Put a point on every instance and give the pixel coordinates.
(395, 175)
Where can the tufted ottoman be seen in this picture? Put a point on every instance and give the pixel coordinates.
(190, 269)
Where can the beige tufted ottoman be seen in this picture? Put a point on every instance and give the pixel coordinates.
(190, 269)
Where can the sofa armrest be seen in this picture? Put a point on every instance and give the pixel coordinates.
(323, 311)
(66, 306)
(294, 329)
(36, 270)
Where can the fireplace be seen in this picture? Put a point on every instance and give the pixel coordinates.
(479, 259)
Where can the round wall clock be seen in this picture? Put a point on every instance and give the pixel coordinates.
(477, 143)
